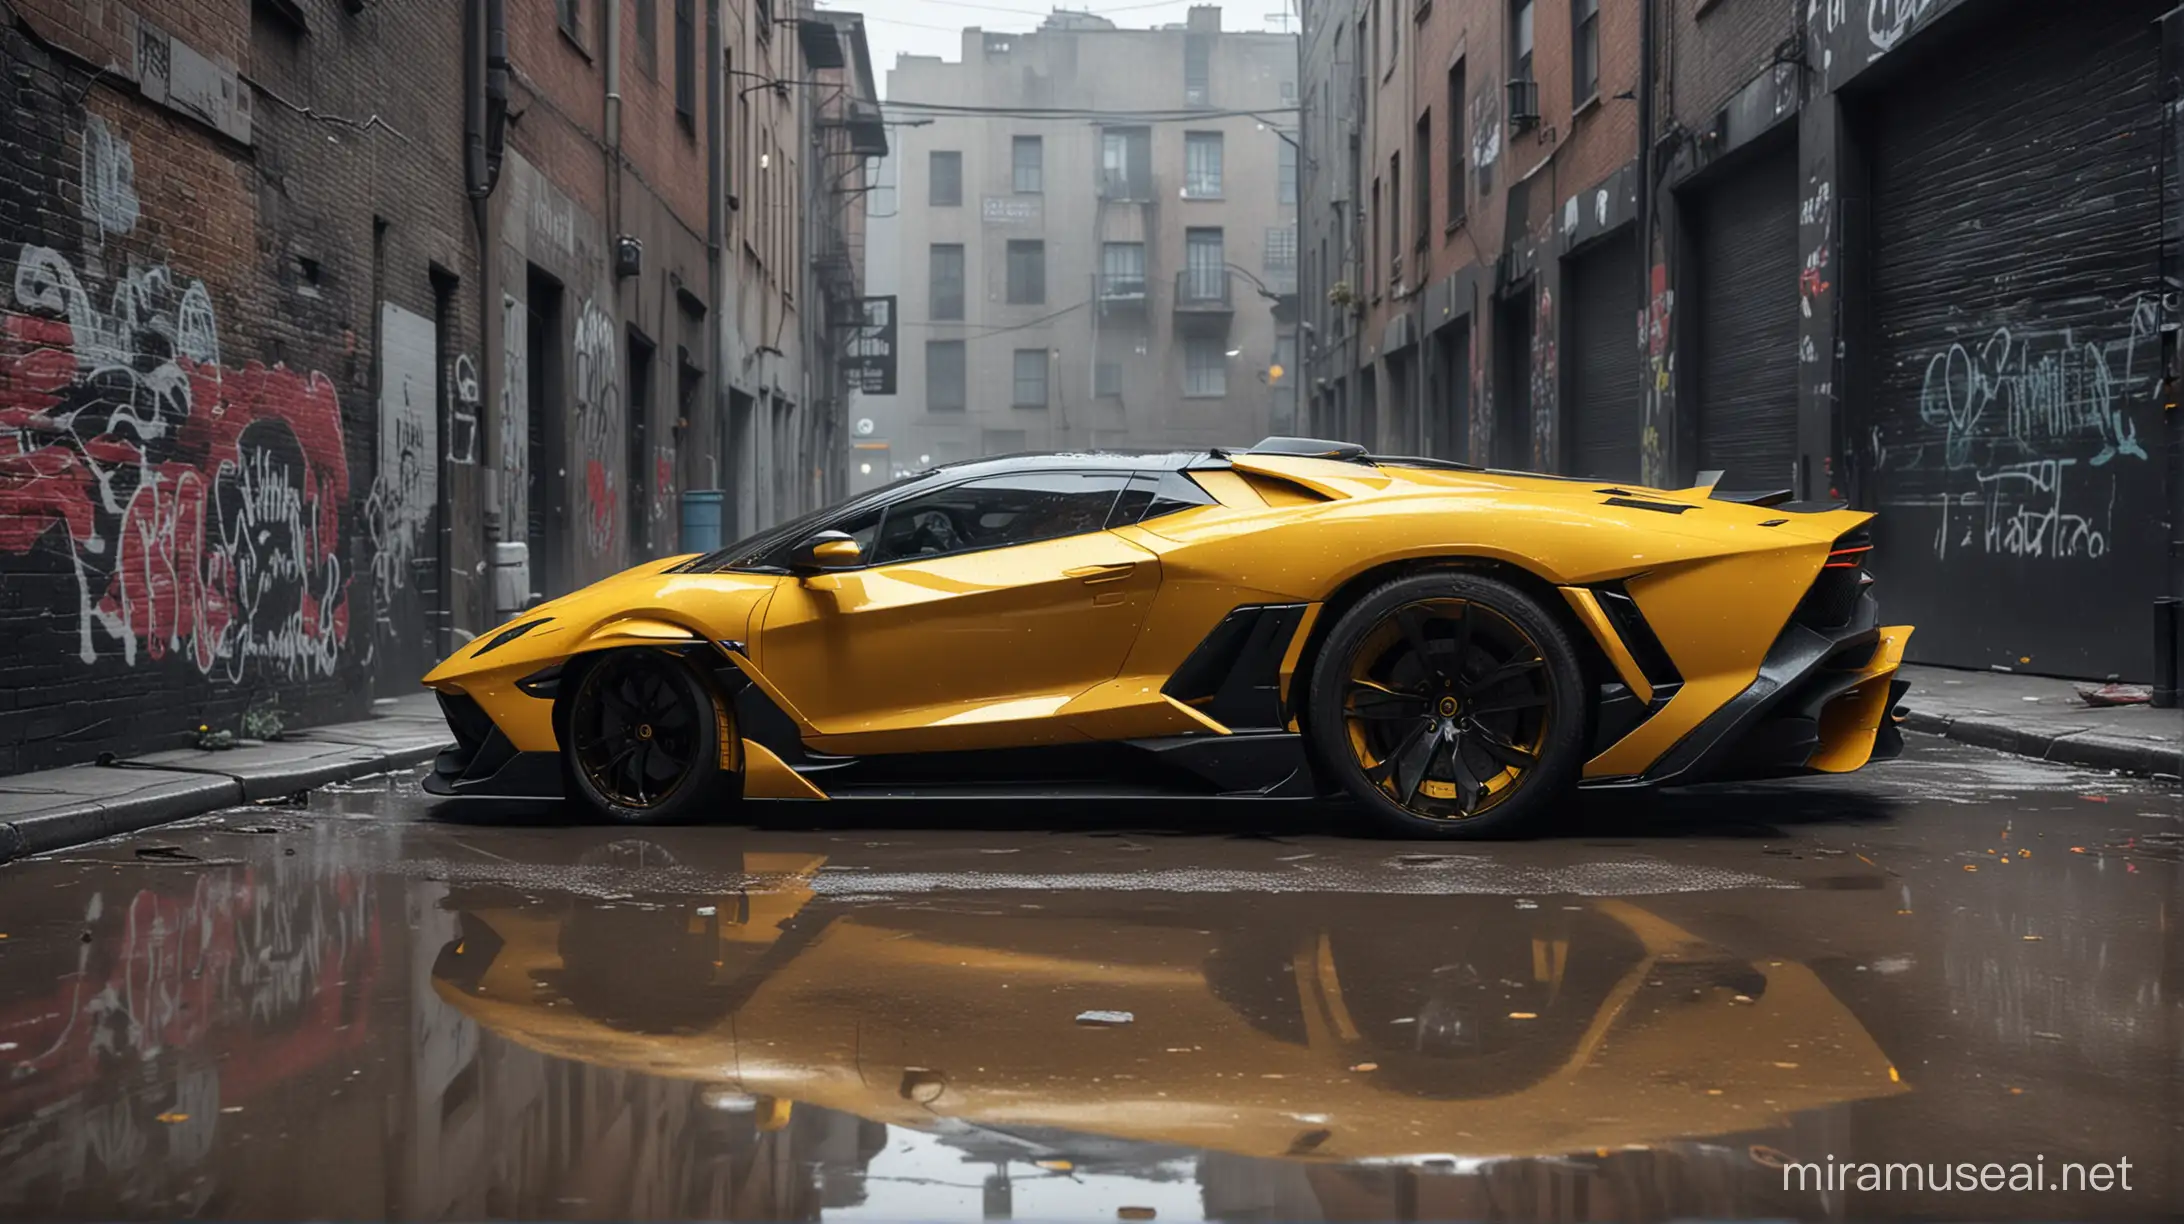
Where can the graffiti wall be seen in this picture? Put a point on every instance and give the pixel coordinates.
(173, 508)
(208, 491)
(194, 504)
(598, 387)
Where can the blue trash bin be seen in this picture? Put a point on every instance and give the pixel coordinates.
(701, 510)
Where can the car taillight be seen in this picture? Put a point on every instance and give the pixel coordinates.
(1833, 599)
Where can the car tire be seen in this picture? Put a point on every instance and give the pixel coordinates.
(1450, 704)
(641, 735)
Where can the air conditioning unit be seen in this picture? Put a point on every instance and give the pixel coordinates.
(1523, 104)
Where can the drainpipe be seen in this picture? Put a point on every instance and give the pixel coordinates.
(613, 122)
(1648, 393)
(485, 109)
(716, 228)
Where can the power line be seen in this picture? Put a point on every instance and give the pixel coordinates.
(1002, 331)
(1178, 115)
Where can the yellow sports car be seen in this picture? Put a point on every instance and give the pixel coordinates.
(1454, 648)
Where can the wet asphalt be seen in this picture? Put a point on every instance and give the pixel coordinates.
(377, 1005)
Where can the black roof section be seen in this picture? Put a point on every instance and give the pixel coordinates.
(1183, 461)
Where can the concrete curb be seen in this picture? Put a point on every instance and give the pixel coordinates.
(179, 794)
(2090, 748)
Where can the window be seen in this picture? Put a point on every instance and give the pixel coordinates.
(648, 38)
(1372, 243)
(1028, 156)
(1197, 70)
(765, 20)
(1126, 164)
(1107, 379)
(1205, 266)
(1122, 270)
(1202, 165)
(1422, 180)
(1281, 252)
(997, 512)
(946, 283)
(944, 376)
(1289, 88)
(1288, 173)
(945, 180)
(1395, 34)
(1520, 40)
(1584, 50)
(1395, 217)
(1153, 494)
(1027, 273)
(1456, 147)
(569, 15)
(1031, 379)
(686, 64)
(1205, 367)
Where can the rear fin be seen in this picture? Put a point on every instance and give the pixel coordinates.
(1702, 490)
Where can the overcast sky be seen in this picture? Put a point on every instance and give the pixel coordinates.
(935, 27)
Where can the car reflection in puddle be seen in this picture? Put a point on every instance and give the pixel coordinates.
(1299, 1057)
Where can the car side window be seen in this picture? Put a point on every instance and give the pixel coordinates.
(996, 512)
(1152, 494)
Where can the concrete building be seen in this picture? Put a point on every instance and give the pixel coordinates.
(1908, 255)
(1094, 238)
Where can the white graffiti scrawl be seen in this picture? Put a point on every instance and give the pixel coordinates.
(462, 443)
(109, 179)
(407, 485)
(598, 397)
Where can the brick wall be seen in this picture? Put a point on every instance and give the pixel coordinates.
(1714, 47)
(203, 508)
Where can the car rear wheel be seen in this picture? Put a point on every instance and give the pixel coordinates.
(641, 737)
(1451, 705)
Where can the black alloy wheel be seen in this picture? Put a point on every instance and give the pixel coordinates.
(642, 734)
(1451, 704)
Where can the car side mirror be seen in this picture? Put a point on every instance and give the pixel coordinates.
(827, 550)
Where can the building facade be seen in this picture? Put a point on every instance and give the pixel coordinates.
(1084, 259)
(340, 332)
(1882, 252)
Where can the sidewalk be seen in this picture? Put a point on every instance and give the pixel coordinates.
(2038, 717)
(53, 808)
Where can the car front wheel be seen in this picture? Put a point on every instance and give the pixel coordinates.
(641, 738)
(1451, 705)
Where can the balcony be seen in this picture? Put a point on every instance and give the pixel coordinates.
(1205, 293)
(1121, 187)
(1122, 289)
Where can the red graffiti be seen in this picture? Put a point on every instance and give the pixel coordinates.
(1657, 312)
(1813, 282)
(599, 500)
(199, 507)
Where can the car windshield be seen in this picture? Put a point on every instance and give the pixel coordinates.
(754, 551)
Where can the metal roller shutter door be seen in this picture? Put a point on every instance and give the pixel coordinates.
(1606, 410)
(2014, 431)
(1746, 240)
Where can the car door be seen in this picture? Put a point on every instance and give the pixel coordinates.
(980, 610)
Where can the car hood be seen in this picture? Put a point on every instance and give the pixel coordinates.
(650, 601)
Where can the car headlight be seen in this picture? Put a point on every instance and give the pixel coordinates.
(505, 636)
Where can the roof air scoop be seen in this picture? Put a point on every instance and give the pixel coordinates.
(1311, 448)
